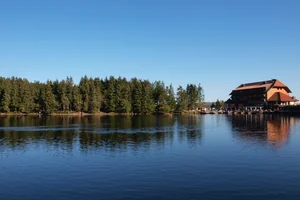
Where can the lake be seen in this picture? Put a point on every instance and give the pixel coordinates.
(150, 157)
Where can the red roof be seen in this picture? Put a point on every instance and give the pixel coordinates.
(263, 84)
(279, 84)
(255, 85)
(280, 97)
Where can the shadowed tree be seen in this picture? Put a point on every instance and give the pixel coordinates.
(84, 91)
(5, 95)
(136, 96)
(181, 100)
(159, 95)
(171, 98)
(148, 105)
(77, 99)
(94, 95)
(48, 99)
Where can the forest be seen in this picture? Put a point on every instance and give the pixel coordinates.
(91, 95)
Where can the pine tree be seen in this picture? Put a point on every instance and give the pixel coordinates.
(122, 94)
(69, 90)
(94, 102)
(37, 89)
(111, 98)
(5, 95)
(136, 96)
(148, 105)
(212, 106)
(171, 102)
(94, 95)
(84, 91)
(26, 96)
(14, 95)
(48, 99)
(77, 99)
(159, 95)
(63, 97)
(181, 100)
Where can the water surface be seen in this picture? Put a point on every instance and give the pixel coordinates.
(150, 157)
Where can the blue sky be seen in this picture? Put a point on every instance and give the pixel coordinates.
(217, 43)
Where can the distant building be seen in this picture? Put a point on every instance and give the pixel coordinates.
(261, 94)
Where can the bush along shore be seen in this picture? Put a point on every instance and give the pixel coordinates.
(95, 96)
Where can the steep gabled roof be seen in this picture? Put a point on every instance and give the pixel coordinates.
(279, 84)
(255, 85)
(268, 84)
(281, 97)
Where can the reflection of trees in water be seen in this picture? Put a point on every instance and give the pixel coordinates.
(270, 129)
(21, 139)
(95, 132)
(190, 127)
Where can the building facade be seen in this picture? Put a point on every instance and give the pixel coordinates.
(268, 93)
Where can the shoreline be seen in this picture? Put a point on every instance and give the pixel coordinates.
(80, 114)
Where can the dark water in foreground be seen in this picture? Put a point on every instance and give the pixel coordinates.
(187, 157)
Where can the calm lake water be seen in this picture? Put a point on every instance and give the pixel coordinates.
(150, 157)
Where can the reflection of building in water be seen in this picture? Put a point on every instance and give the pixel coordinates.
(272, 129)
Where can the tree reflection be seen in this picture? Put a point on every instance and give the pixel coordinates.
(190, 127)
(273, 130)
(88, 133)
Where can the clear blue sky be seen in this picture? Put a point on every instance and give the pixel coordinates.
(217, 43)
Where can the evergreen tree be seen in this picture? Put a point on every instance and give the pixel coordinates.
(94, 101)
(195, 95)
(48, 99)
(26, 97)
(159, 95)
(5, 95)
(85, 94)
(14, 95)
(136, 96)
(111, 98)
(69, 90)
(212, 106)
(171, 98)
(37, 92)
(63, 96)
(181, 100)
(94, 95)
(200, 93)
(122, 94)
(77, 99)
(192, 94)
(218, 104)
(148, 105)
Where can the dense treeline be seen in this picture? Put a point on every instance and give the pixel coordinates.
(218, 105)
(94, 95)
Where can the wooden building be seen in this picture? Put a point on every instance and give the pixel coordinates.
(268, 93)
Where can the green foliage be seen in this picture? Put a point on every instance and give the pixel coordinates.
(194, 95)
(189, 99)
(148, 105)
(84, 91)
(182, 99)
(49, 103)
(218, 104)
(136, 96)
(159, 95)
(76, 99)
(170, 98)
(5, 95)
(212, 105)
(96, 95)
